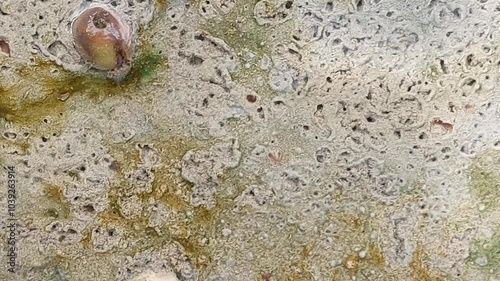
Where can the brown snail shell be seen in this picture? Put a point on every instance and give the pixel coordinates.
(103, 38)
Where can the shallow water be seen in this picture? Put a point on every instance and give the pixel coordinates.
(251, 140)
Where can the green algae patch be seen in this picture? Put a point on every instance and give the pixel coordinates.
(146, 64)
(43, 88)
(240, 36)
(149, 58)
(487, 252)
(168, 188)
(15, 108)
(93, 86)
(485, 184)
(241, 32)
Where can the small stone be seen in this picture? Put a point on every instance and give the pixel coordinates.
(485, 234)
(249, 256)
(482, 207)
(265, 63)
(362, 254)
(481, 261)
(63, 97)
(230, 262)
(248, 55)
(226, 232)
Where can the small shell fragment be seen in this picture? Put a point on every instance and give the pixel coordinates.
(4, 47)
(63, 97)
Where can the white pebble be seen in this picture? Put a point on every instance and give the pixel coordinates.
(362, 254)
(226, 232)
(481, 261)
(249, 256)
(63, 97)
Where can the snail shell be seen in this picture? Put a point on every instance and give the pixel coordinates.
(103, 38)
